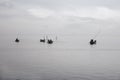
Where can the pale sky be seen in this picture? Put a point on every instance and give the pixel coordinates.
(51, 16)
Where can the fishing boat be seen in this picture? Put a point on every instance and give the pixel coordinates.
(92, 42)
(17, 40)
(49, 41)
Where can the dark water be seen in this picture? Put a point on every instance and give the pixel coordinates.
(69, 58)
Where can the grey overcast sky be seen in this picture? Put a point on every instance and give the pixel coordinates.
(41, 16)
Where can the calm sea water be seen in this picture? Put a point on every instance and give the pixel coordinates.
(70, 57)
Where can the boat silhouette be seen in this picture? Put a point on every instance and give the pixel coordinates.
(92, 42)
(17, 40)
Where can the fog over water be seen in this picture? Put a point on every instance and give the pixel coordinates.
(68, 58)
(70, 24)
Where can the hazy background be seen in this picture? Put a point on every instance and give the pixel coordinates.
(59, 16)
(70, 57)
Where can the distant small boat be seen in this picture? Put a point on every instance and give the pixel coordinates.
(42, 40)
(17, 40)
(50, 41)
(92, 42)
